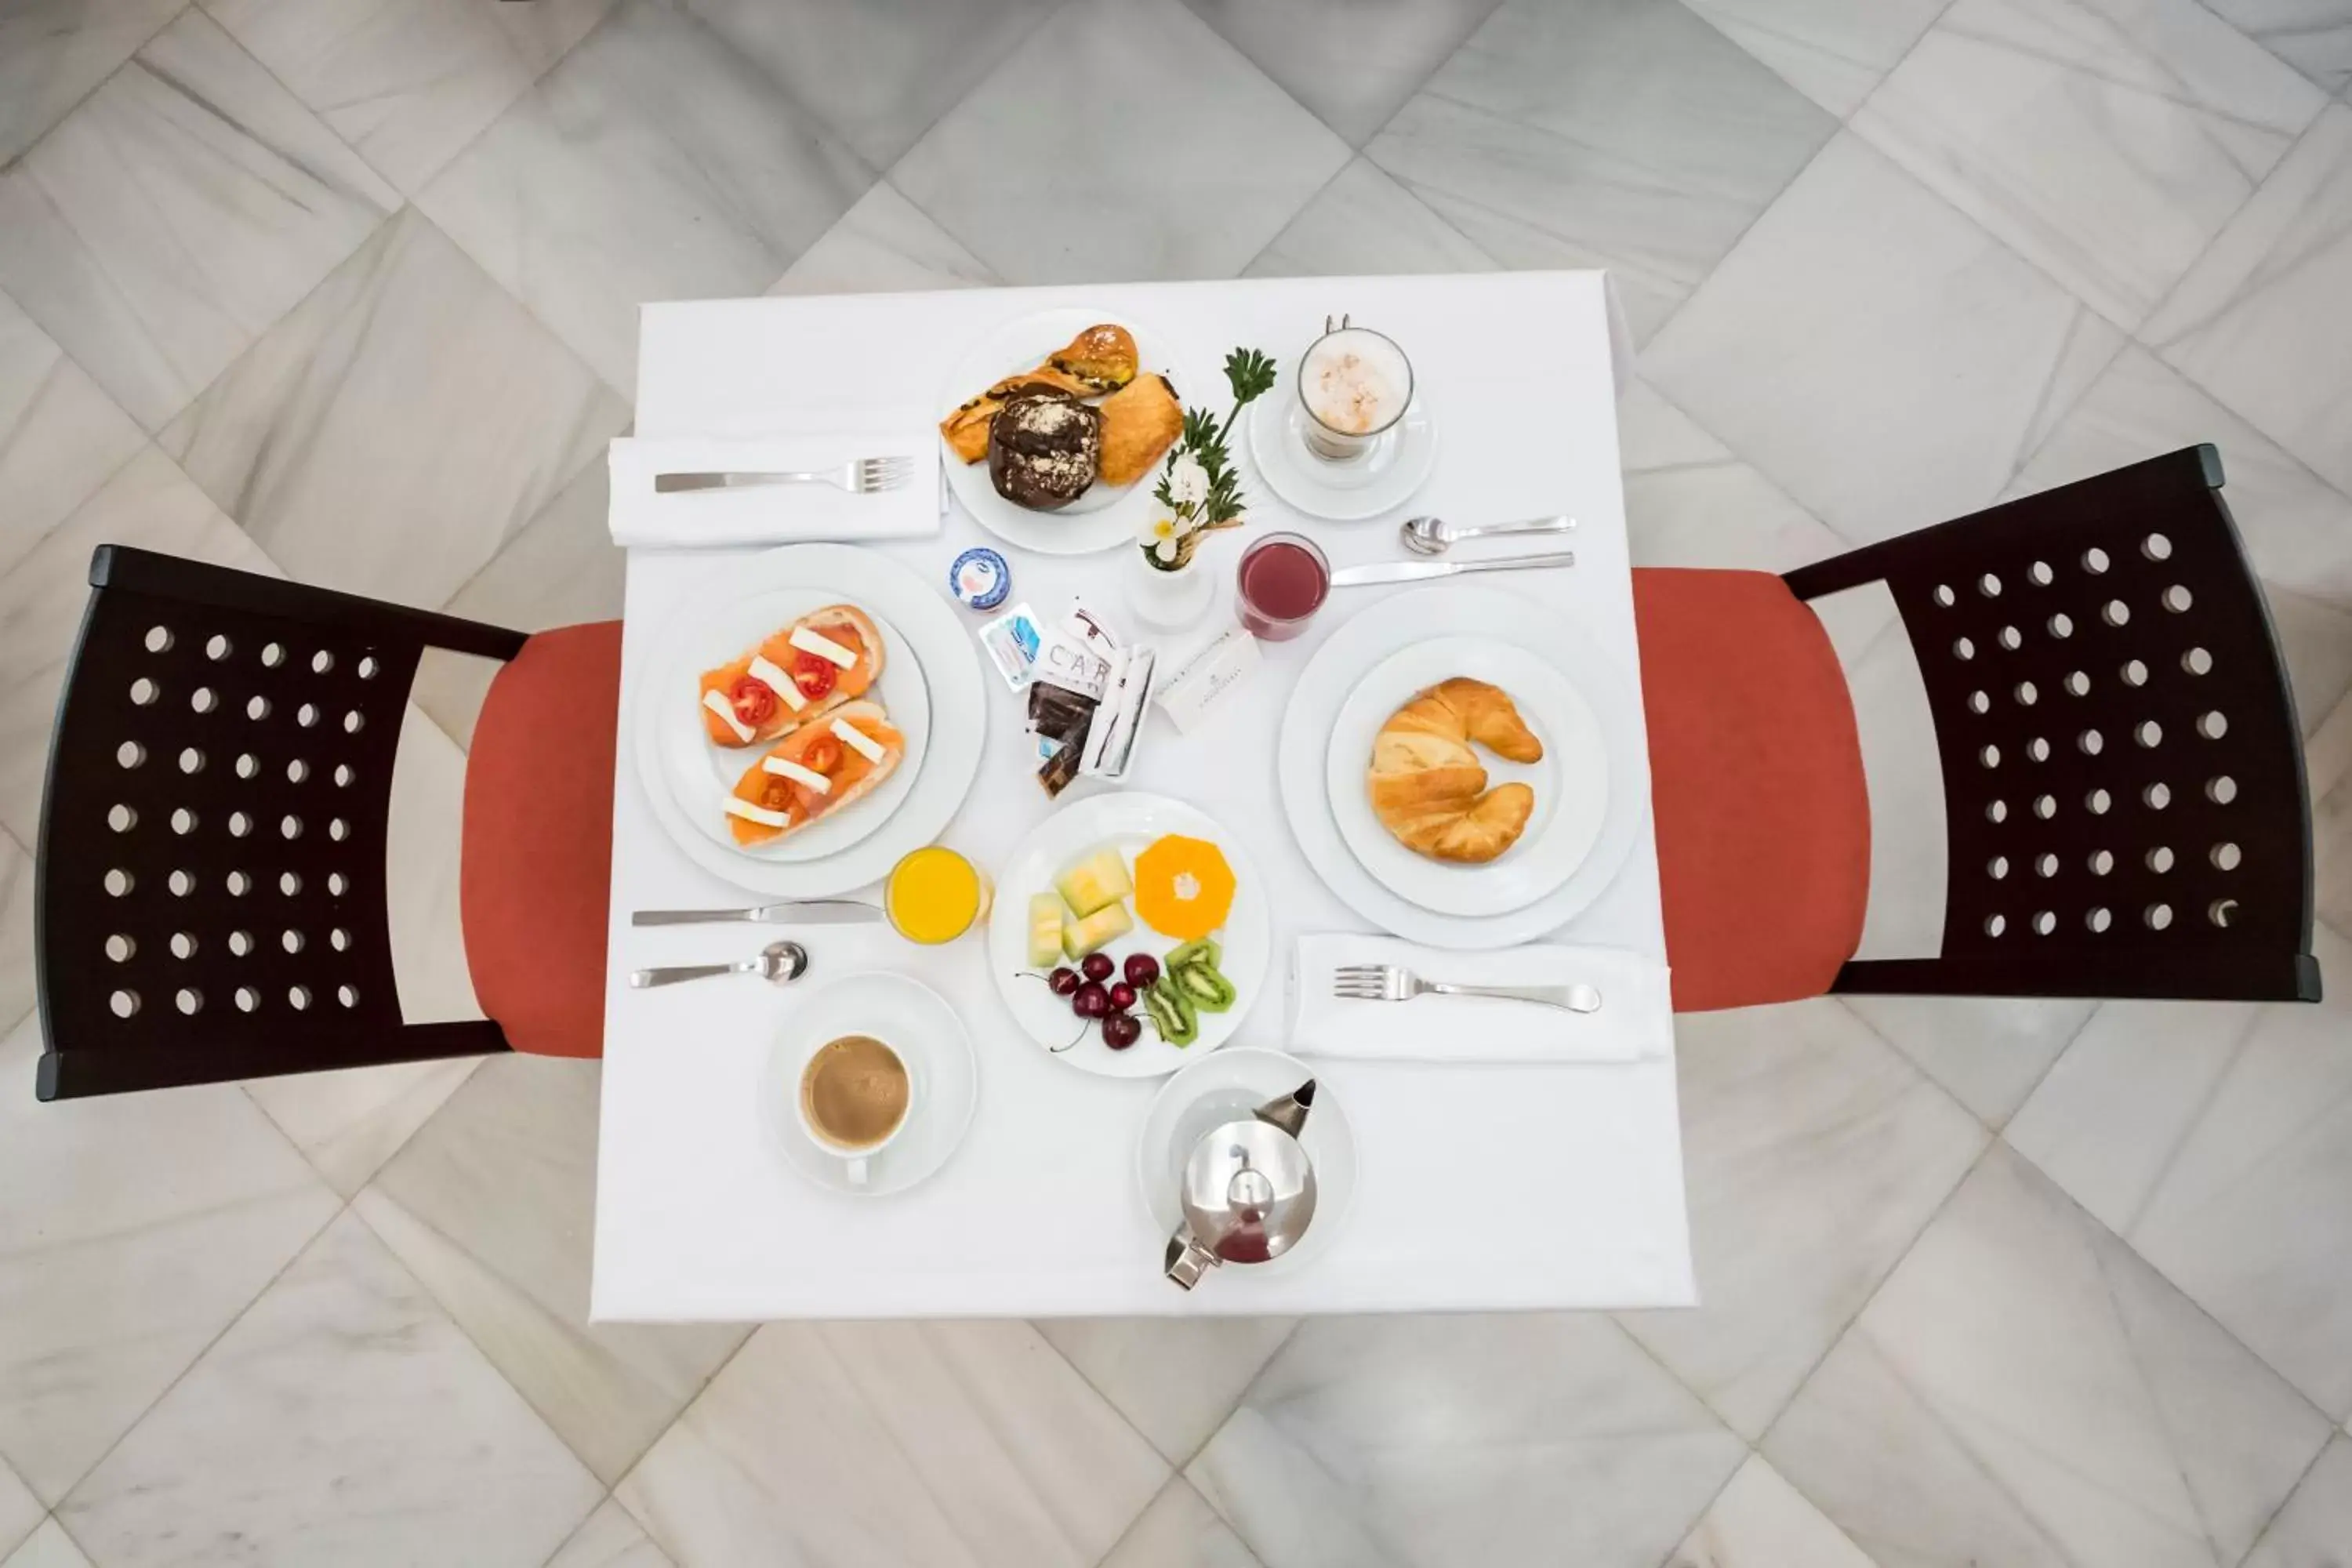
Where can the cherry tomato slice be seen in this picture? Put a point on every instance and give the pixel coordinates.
(776, 795)
(822, 755)
(754, 702)
(814, 674)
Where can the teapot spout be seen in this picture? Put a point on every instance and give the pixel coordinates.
(1289, 1112)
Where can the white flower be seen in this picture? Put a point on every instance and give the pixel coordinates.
(1165, 549)
(1188, 483)
(1156, 532)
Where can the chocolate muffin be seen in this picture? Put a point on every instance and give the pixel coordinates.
(1043, 447)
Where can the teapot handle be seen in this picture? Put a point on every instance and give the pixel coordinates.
(1187, 1260)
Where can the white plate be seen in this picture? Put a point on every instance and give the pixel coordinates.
(914, 1021)
(1131, 821)
(1455, 609)
(1382, 479)
(1107, 515)
(701, 776)
(941, 663)
(1243, 1078)
(1570, 781)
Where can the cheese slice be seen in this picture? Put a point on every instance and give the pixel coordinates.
(822, 646)
(738, 806)
(785, 768)
(857, 739)
(777, 681)
(717, 703)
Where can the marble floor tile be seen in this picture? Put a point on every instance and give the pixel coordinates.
(2108, 141)
(1833, 51)
(2314, 1529)
(1760, 1520)
(2313, 36)
(60, 436)
(610, 1539)
(2217, 1140)
(2297, 527)
(47, 1547)
(878, 73)
(149, 502)
(2024, 1389)
(398, 425)
(1989, 1052)
(2316, 640)
(1353, 64)
(1814, 1155)
(882, 245)
(1180, 1531)
(491, 1205)
(2258, 322)
(1422, 1441)
(410, 82)
(20, 1510)
(563, 568)
(1626, 135)
(653, 163)
(16, 932)
(343, 1418)
(1174, 1379)
(180, 210)
(1362, 222)
(1910, 855)
(839, 1445)
(348, 1124)
(2328, 766)
(52, 52)
(424, 841)
(1877, 354)
(1045, 189)
(139, 1226)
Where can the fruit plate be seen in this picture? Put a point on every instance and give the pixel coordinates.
(1128, 822)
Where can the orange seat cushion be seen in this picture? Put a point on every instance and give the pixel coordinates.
(536, 876)
(1756, 774)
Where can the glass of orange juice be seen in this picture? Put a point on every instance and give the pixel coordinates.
(935, 895)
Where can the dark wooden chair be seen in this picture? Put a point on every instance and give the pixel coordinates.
(210, 891)
(2125, 802)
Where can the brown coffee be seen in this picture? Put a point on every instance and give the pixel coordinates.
(853, 1091)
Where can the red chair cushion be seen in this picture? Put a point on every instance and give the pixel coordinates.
(1756, 775)
(536, 877)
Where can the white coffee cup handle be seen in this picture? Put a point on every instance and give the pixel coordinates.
(857, 1171)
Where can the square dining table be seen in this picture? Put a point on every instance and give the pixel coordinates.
(1482, 1186)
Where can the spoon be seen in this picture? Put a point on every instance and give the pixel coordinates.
(1432, 535)
(780, 961)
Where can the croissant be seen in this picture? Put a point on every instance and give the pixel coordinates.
(1429, 789)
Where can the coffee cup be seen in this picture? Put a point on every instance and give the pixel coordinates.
(1354, 385)
(856, 1097)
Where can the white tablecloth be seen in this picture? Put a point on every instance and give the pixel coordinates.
(1482, 1187)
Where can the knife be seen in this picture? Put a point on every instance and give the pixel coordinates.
(808, 913)
(1411, 571)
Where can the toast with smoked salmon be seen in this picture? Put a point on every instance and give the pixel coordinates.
(816, 770)
(797, 676)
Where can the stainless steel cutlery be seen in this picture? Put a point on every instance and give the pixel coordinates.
(1411, 570)
(1392, 983)
(858, 476)
(779, 962)
(805, 911)
(1434, 535)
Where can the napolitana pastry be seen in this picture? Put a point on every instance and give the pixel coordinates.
(1140, 421)
(1429, 789)
(797, 675)
(816, 771)
(1043, 447)
(1099, 359)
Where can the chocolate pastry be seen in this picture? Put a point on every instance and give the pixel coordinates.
(1043, 447)
(1103, 356)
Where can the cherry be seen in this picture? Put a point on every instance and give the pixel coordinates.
(1097, 965)
(1122, 997)
(1121, 1030)
(1090, 1001)
(1064, 980)
(1142, 969)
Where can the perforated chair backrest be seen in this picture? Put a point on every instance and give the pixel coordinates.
(2125, 802)
(210, 897)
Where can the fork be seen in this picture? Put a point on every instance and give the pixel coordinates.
(859, 476)
(1392, 983)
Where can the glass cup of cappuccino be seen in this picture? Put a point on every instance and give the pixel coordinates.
(854, 1096)
(1354, 384)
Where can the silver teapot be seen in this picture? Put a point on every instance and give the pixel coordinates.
(1248, 1190)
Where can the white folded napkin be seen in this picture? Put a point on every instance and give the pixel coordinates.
(1634, 1022)
(775, 514)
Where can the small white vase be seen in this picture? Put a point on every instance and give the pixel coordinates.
(1167, 601)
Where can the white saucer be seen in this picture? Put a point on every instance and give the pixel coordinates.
(1570, 783)
(1383, 478)
(1249, 1077)
(914, 1021)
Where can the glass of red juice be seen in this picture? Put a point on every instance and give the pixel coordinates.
(1284, 579)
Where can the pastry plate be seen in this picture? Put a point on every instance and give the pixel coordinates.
(930, 671)
(1227, 1087)
(1570, 781)
(1131, 821)
(1382, 480)
(914, 1021)
(1104, 517)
